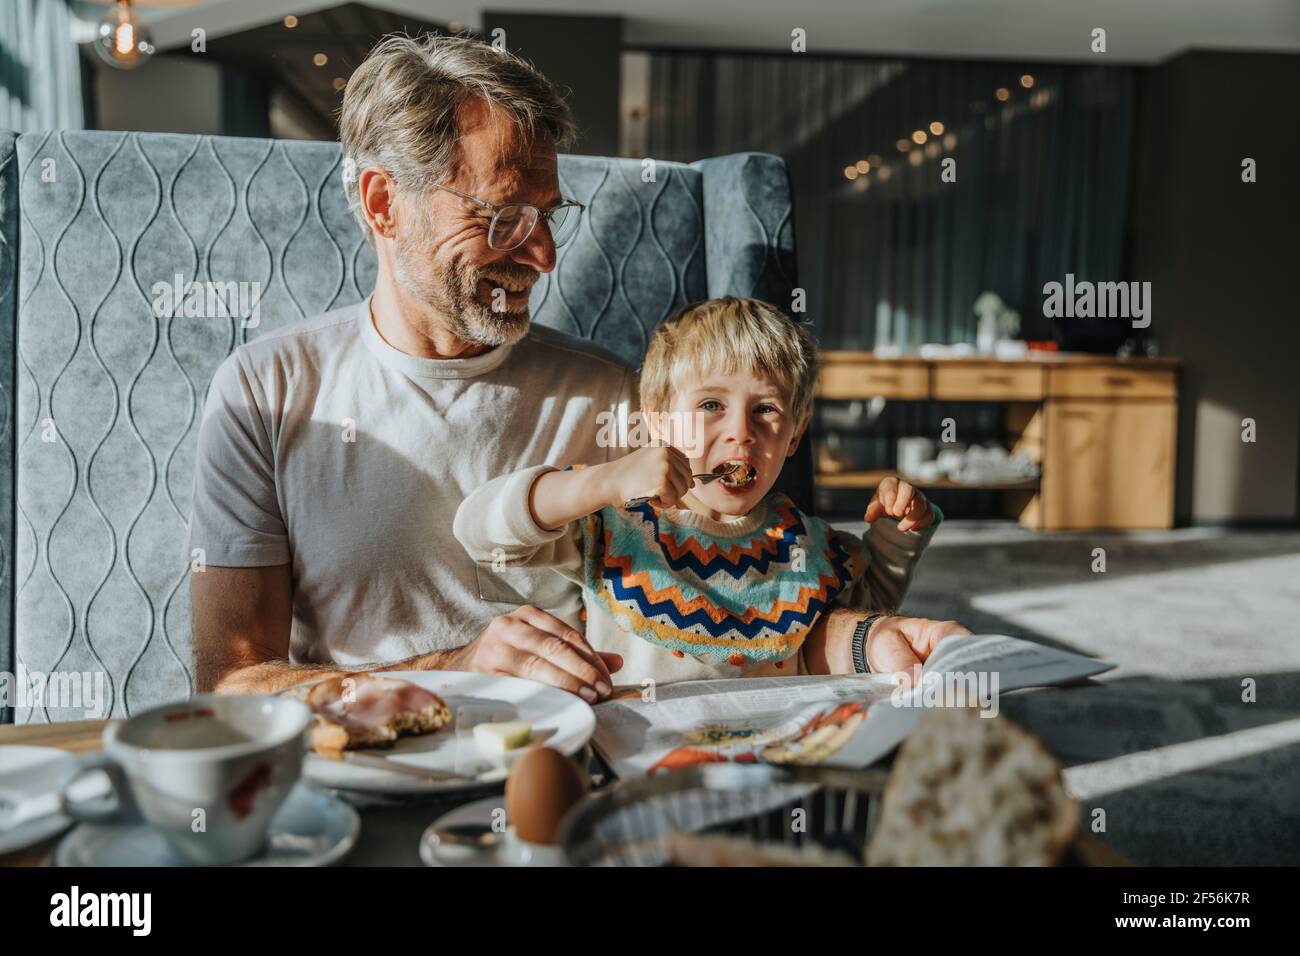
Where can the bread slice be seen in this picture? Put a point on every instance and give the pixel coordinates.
(968, 790)
(359, 710)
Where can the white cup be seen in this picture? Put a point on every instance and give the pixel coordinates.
(208, 773)
(912, 452)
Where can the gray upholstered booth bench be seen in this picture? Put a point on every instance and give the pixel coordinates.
(100, 398)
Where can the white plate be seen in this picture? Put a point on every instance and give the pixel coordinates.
(560, 720)
(28, 773)
(311, 828)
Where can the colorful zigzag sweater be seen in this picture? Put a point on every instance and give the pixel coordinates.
(683, 597)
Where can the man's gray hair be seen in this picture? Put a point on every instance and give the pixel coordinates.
(400, 108)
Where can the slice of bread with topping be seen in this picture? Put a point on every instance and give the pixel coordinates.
(360, 710)
(968, 790)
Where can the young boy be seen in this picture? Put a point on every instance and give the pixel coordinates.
(704, 580)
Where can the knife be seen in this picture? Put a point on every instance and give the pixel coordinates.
(376, 762)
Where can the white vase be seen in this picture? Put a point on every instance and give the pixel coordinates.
(986, 335)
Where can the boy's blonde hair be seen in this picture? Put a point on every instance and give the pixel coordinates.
(731, 336)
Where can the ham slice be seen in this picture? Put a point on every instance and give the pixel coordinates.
(365, 710)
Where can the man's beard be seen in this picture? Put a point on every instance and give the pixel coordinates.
(453, 293)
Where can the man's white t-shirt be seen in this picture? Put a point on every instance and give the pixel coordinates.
(325, 448)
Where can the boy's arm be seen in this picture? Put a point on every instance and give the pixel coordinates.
(495, 524)
(660, 472)
(528, 518)
(893, 556)
(556, 498)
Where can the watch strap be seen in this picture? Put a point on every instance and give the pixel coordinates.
(860, 665)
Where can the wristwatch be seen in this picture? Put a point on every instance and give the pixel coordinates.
(860, 665)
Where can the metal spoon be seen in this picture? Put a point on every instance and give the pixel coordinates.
(476, 836)
(459, 844)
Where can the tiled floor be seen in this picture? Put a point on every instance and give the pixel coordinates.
(1185, 769)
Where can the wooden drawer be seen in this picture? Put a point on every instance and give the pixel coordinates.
(1109, 465)
(980, 382)
(1111, 381)
(868, 380)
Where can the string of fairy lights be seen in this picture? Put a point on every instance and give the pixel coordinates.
(927, 142)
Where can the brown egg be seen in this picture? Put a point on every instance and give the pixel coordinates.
(542, 786)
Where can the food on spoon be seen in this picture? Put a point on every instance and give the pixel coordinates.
(364, 710)
(741, 473)
(495, 739)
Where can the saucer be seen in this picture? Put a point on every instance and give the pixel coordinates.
(311, 828)
(28, 776)
(478, 816)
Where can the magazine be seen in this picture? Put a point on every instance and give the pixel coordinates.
(844, 721)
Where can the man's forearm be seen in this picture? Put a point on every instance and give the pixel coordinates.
(271, 677)
(829, 646)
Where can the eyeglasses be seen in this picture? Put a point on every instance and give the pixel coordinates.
(512, 223)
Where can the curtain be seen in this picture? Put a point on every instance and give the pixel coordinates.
(896, 255)
(40, 67)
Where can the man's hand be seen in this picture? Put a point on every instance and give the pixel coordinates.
(901, 500)
(895, 645)
(900, 645)
(532, 644)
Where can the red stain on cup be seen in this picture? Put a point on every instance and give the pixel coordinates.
(187, 714)
(242, 796)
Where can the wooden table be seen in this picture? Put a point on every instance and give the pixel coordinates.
(77, 736)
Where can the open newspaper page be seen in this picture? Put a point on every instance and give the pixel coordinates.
(845, 721)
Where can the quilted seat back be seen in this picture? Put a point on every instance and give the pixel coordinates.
(101, 402)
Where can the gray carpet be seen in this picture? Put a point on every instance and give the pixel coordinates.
(1185, 770)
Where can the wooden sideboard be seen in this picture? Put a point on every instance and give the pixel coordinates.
(1103, 429)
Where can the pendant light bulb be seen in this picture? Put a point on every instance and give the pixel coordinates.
(122, 40)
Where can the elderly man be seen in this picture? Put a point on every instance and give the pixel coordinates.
(333, 454)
